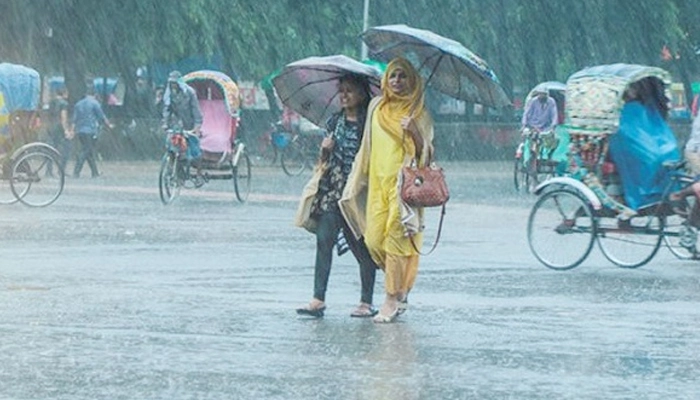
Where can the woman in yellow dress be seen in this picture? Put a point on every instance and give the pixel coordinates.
(398, 129)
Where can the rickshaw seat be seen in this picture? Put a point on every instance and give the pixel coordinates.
(217, 127)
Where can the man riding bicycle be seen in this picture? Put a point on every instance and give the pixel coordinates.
(539, 141)
(181, 110)
(540, 113)
(181, 105)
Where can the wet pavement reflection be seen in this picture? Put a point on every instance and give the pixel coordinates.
(109, 294)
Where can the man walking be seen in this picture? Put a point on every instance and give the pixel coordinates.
(87, 116)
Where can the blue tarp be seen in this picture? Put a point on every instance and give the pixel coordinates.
(642, 144)
(20, 86)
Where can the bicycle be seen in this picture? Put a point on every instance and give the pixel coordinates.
(271, 143)
(301, 153)
(182, 167)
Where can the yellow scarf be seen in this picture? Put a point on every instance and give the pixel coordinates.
(393, 107)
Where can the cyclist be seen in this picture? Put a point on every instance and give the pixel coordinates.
(540, 112)
(540, 116)
(181, 109)
(181, 105)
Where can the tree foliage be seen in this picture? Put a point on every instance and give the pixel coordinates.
(524, 41)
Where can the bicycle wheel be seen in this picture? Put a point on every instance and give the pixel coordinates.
(680, 238)
(36, 179)
(561, 229)
(266, 150)
(168, 184)
(6, 195)
(630, 245)
(241, 177)
(293, 159)
(521, 179)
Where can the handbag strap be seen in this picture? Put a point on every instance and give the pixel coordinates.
(437, 238)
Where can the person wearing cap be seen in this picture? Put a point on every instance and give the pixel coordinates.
(541, 112)
(181, 107)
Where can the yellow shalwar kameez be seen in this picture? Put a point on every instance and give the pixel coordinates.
(385, 235)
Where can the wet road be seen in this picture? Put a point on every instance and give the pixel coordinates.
(109, 294)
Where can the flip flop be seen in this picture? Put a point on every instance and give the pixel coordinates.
(316, 313)
(364, 312)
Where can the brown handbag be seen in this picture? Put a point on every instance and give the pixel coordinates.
(424, 186)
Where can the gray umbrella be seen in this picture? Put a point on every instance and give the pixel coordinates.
(446, 65)
(310, 86)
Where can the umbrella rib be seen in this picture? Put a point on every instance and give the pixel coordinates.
(307, 85)
(437, 65)
(329, 103)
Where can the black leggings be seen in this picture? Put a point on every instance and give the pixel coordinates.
(329, 225)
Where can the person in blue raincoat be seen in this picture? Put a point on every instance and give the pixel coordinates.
(643, 142)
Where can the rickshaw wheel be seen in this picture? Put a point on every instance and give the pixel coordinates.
(633, 244)
(241, 177)
(561, 229)
(168, 185)
(36, 178)
(521, 178)
(6, 195)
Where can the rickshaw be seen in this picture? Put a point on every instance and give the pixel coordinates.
(190, 161)
(539, 153)
(30, 171)
(586, 204)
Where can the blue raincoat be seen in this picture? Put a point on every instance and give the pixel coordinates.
(642, 144)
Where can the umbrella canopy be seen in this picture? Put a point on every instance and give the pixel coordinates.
(549, 86)
(310, 86)
(445, 64)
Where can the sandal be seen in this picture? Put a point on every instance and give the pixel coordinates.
(403, 306)
(386, 319)
(364, 310)
(311, 311)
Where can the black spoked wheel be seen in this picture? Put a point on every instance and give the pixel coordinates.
(521, 179)
(36, 178)
(632, 243)
(241, 177)
(561, 229)
(168, 182)
(293, 159)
